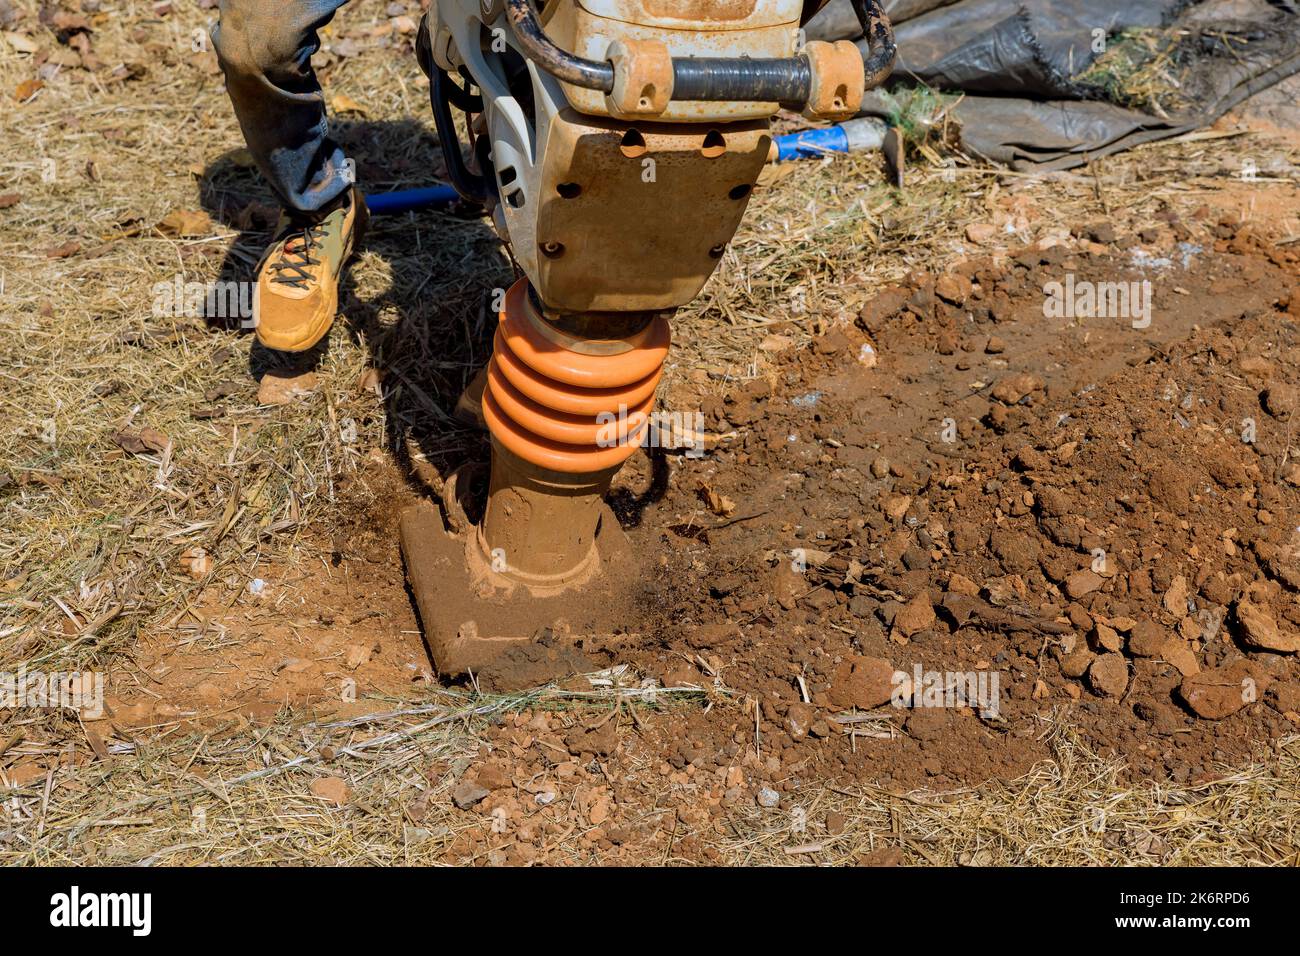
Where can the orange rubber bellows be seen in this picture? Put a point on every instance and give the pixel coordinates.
(569, 411)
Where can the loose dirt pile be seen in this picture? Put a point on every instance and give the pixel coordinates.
(1101, 514)
(912, 465)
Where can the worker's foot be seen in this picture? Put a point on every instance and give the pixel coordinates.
(297, 293)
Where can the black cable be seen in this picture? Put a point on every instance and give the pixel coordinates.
(471, 187)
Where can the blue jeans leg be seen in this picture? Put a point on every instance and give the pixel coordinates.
(265, 49)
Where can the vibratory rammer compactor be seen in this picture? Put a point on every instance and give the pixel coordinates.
(615, 144)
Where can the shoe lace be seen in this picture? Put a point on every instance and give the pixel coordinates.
(296, 256)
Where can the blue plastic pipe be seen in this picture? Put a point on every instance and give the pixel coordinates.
(850, 137)
(388, 204)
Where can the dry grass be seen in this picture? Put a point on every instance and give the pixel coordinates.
(1074, 810)
(90, 534)
(241, 796)
(1140, 69)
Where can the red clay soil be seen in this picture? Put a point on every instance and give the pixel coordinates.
(1103, 516)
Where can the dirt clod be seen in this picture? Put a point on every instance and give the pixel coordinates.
(1259, 629)
(1222, 691)
(285, 388)
(1108, 675)
(862, 682)
(334, 790)
(467, 793)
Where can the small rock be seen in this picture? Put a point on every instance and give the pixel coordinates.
(798, 720)
(1075, 657)
(284, 388)
(1178, 653)
(334, 790)
(915, 616)
(1260, 630)
(1083, 582)
(960, 584)
(467, 794)
(1175, 599)
(1102, 232)
(897, 506)
(1285, 697)
(1148, 639)
(1107, 638)
(1012, 389)
(862, 682)
(953, 288)
(1286, 568)
(492, 777)
(415, 835)
(822, 599)
(1030, 459)
(787, 585)
(1256, 365)
(602, 741)
(1280, 400)
(1222, 691)
(1108, 675)
(767, 797)
(835, 823)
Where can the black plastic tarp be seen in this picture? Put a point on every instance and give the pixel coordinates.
(1019, 62)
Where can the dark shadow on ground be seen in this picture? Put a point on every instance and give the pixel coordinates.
(429, 331)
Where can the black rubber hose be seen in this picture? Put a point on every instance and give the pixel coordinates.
(461, 97)
(879, 34)
(470, 187)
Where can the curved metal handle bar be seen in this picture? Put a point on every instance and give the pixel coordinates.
(561, 64)
(713, 79)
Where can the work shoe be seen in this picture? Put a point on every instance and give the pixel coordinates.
(297, 292)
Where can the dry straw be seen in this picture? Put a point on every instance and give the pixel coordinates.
(91, 532)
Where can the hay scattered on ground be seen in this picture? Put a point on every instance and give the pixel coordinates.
(1140, 68)
(243, 795)
(95, 513)
(1070, 811)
